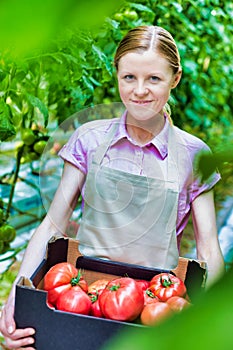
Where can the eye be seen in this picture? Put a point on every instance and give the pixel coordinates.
(128, 77)
(154, 79)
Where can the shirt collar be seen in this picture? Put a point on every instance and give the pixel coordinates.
(160, 142)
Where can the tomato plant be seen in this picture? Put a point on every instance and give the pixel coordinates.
(62, 277)
(154, 313)
(122, 299)
(166, 285)
(74, 300)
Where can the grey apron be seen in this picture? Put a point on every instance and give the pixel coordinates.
(131, 218)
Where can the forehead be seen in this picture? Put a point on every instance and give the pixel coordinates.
(150, 60)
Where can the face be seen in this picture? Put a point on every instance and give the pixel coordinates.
(145, 81)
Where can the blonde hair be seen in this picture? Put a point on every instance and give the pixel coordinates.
(145, 38)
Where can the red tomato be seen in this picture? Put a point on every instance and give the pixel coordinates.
(95, 305)
(122, 299)
(62, 277)
(178, 304)
(143, 284)
(94, 291)
(97, 286)
(74, 300)
(51, 306)
(166, 285)
(149, 297)
(154, 313)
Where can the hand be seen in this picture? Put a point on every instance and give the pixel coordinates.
(14, 338)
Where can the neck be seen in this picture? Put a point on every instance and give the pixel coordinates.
(144, 131)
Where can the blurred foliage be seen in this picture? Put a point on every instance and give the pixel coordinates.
(28, 25)
(208, 163)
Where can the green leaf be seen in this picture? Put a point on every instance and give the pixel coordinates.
(99, 53)
(178, 6)
(141, 7)
(94, 81)
(113, 23)
(7, 129)
(103, 58)
(87, 83)
(69, 58)
(36, 102)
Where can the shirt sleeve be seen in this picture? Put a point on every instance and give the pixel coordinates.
(74, 150)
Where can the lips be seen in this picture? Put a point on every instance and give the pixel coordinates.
(144, 102)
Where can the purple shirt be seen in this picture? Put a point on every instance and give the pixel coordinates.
(126, 155)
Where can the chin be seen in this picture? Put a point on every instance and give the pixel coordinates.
(141, 113)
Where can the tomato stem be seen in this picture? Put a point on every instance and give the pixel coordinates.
(166, 281)
(93, 297)
(114, 288)
(150, 294)
(75, 280)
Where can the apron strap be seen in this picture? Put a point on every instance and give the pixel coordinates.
(103, 147)
(172, 160)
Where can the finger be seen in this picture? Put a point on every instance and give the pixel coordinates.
(18, 343)
(22, 333)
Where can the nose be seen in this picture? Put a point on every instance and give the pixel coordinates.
(140, 89)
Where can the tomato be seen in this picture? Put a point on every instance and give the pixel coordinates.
(97, 286)
(62, 277)
(95, 309)
(33, 156)
(149, 297)
(143, 284)
(28, 136)
(131, 15)
(95, 305)
(154, 313)
(118, 17)
(166, 285)
(122, 299)
(74, 300)
(94, 291)
(178, 304)
(7, 233)
(39, 146)
(51, 306)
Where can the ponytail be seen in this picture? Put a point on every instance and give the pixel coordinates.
(167, 112)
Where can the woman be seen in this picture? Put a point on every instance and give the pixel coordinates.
(135, 174)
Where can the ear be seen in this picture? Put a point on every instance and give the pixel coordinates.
(176, 78)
